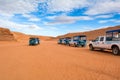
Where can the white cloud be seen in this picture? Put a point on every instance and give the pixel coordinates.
(35, 27)
(104, 7)
(10, 7)
(104, 16)
(66, 5)
(95, 7)
(17, 26)
(31, 17)
(9, 24)
(51, 17)
(86, 28)
(110, 20)
(30, 28)
(66, 19)
(34, 19)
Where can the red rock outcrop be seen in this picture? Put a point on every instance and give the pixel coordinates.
(6, 35)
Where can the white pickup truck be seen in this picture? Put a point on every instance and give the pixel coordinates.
(103, 42)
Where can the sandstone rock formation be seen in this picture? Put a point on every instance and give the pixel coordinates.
(6, 35)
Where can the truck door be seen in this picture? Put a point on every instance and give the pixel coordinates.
(96, 42)
(102, 42)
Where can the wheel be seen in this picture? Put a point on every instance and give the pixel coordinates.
(102, 49)
(75, 45)
(115, 50)
(68, 44)
(91, 47)
(82, 45)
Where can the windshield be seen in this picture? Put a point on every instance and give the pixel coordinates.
(83, 38)
(76, 38)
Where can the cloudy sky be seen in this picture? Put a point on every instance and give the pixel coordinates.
(57, 17)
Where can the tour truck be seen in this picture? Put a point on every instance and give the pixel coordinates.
(67, 40)
(34, 41)
(78, 41)
(110, 42)
(61, 41)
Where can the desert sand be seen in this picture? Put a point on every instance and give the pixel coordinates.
(50, 61)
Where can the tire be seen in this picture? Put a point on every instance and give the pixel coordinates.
(82, 46)
(91, 47)
(69, 45)
(115, 50)
(75, 45)
(102, 49)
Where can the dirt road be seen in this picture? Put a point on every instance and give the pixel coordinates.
(50, 61)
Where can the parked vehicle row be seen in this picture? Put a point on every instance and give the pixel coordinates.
(75, 41)
(111, 41)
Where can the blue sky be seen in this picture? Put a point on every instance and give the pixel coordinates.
(58, 17)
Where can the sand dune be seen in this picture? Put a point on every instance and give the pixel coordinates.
(50, 61)
(20, 36)
(23, 37)
(7, 35)
(91, 35)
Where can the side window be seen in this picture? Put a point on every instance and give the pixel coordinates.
(97, 39)
(119, 35)
(109, 36)
(115, 35)
(83, 38)
(102, 38)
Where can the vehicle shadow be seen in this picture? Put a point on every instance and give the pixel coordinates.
(106, 52)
